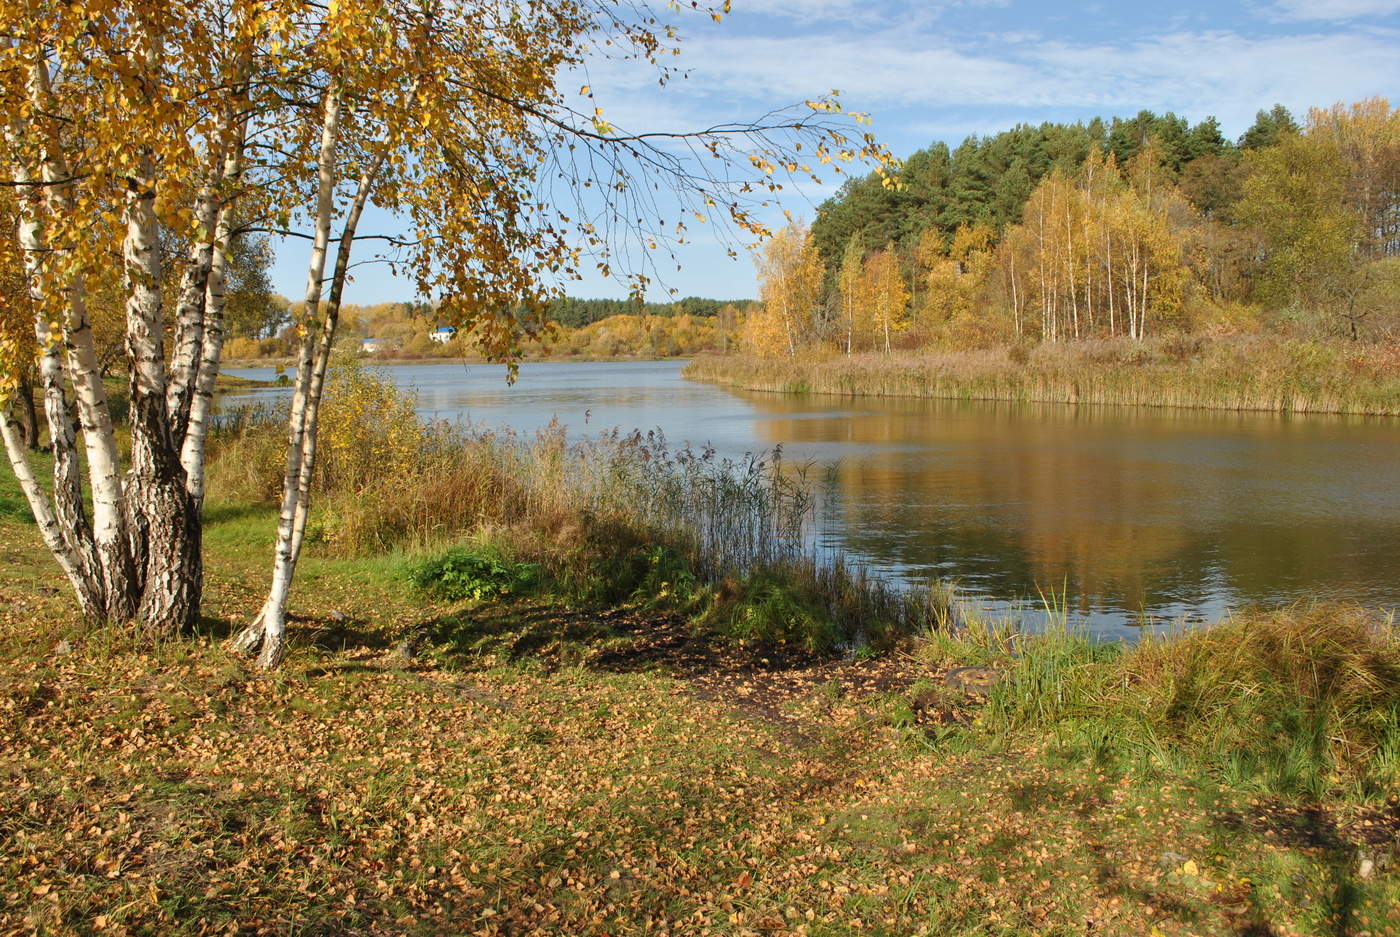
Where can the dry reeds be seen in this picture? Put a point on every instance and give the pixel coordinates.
(1238, 374)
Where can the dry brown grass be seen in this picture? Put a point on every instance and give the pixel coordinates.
(1231, 374)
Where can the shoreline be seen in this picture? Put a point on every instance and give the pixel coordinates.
(1284, 378)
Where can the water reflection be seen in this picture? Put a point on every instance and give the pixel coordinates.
(1124, 512)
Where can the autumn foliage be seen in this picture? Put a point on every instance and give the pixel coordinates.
(1136, 229)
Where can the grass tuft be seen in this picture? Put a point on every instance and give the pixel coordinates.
(1301, 700)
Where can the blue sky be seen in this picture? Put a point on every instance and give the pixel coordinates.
(942, 70)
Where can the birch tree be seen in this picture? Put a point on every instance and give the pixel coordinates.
(789, 280)
(849, 283)
(128, 124)
(888, 296)
(121, 124)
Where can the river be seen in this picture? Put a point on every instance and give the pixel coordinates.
(1126, 516)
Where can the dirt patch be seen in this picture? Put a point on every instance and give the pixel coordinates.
(785, 685)
(768, 682)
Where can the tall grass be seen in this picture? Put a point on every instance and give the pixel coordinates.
(1252, 373)
(1302, 700)
(612, 517)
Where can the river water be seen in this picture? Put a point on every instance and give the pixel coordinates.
(1127, 516)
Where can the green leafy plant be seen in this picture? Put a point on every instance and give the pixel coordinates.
(463, 573)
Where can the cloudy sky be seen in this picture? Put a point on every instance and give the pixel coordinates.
(944, 69)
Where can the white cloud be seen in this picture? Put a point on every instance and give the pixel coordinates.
(805, 11)
(852, 11)
(905, 77)
(1335, 10)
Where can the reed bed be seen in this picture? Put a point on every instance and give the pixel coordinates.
(1228, 374)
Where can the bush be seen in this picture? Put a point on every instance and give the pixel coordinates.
(476, 574)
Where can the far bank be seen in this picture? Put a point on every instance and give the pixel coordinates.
(1254, 374)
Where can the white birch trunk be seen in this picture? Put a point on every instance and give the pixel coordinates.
(162, 524)
(105, 546)
(213, 332)
(190, 314)
(68, 559)
(268, 630)
(323, 356)
(211, 347)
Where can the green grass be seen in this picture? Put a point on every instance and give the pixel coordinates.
(1301, 701)
(1252, 373)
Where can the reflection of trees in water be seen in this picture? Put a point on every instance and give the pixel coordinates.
(1122, 508)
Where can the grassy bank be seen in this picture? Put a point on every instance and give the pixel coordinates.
(614, 518)
(1229, 374)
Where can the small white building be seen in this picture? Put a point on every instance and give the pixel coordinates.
(369, 346)
(442, 334)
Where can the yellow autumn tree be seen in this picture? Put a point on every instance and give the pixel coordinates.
(789, 281)
(956, 279)
(887, 295)
(764, 334)
(125, 129)
(855, 325)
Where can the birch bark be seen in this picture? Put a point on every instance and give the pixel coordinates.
(323, 354)
(113, 574)
(267, 631)
(212, 334)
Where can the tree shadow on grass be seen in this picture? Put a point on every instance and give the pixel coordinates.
(1337, 845)
(224, 513)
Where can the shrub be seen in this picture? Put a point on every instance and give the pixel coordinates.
(463, 573)
(773, 610)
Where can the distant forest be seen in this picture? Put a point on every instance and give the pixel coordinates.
(989, 180)
(575, 313)
(1127, 228)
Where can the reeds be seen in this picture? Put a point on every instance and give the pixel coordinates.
(1230, 374)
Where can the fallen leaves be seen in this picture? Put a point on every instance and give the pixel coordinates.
(175, 793)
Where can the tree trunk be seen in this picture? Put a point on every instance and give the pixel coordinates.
(323, 356)
(102, 544)
(71, 541)
(190, 315)
(25, 416)
(162, 517)
(72, 564)
(268, 631)
(212, 332)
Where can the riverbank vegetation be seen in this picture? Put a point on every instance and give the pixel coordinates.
(1098, 238)
(1232, 373)
(604, 519)
(535, 718)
